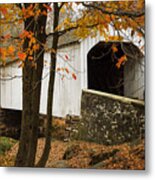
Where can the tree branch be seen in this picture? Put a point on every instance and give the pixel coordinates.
(61, 5)
(62, 32)
(19, 5)
(117, 13)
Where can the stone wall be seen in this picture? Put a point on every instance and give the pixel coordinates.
(110, 119)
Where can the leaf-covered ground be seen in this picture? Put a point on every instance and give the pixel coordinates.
(80, 154)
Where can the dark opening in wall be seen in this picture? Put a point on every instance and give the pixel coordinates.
(103, 75)
(10, 122)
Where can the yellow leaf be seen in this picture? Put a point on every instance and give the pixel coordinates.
(62, 10)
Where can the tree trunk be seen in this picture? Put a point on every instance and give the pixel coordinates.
(36, 93)
(31, 95)
(47, 147)
(27, 106)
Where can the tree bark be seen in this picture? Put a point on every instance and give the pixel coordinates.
(47, 147)
(36, 84)
(27, 110)
(31, 95)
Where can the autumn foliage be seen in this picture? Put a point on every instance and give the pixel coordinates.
(95, 17)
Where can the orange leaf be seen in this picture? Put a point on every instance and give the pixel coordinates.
(118, 65)
(3, 10)
(114, 48)
(3, 53)
(1, 50)
(30, 58)
(74, 76)
(121, 60)
(23, 10)
(36, 47)
(107, 17)
(33, 40)
(24, 34)
(21, 56)
(20, 21)
(67, 71)
(7, 36)
(115, 38)
(11, 49)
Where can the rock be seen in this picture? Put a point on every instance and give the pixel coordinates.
(60, 164)
(71, 152)
(98, 165)
(102, 156)
(66, 140)
(68, 128)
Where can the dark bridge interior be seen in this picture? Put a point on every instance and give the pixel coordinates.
(103, 75)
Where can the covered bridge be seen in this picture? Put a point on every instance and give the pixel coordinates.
(94, 64)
